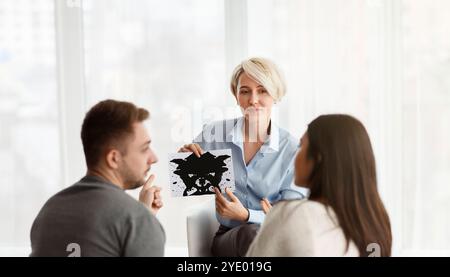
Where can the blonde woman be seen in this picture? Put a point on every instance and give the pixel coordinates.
(262, 153)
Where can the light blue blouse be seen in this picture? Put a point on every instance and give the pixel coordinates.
(269, 174)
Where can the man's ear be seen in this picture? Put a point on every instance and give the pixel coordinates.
(113, 158)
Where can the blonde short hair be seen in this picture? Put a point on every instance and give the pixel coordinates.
(262, 71)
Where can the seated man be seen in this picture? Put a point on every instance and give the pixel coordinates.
(95, 217)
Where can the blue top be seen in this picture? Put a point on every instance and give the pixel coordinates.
(269, 174)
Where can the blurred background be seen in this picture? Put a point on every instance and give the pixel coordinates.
(387, 62)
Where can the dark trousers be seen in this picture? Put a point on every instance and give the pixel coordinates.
(233, 242)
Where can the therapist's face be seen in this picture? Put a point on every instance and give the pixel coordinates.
(303, 164)
(255, 101)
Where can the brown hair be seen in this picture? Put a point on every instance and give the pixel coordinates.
(107, 125)
(344, 177)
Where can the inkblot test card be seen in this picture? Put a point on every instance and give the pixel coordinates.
(190, 175)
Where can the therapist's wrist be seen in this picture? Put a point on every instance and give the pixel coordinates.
(246, 215)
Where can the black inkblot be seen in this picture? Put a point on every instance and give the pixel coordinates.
(201, 175)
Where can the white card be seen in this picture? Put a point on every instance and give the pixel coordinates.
(190, 175)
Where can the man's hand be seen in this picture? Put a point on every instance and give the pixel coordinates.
(266, 206)
(230, 209)
(150, 195)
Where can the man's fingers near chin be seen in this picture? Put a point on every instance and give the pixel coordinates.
(149, 181)
(157, 189)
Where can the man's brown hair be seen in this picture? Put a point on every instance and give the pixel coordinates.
(107, 125)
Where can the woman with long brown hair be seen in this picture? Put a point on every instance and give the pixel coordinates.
(344, 213)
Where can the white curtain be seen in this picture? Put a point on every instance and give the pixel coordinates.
(387, 63)
(29, 134)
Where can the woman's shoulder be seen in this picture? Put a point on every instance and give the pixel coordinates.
(216, 131)
(295, 217)
(286, 134)
(287, 139)
(299, 205)
(303, 208)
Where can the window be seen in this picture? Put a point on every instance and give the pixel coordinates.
(29, 138)
(426, 125)
(168, 57)
(387, 63)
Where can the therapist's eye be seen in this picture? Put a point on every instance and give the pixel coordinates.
(243, 92)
